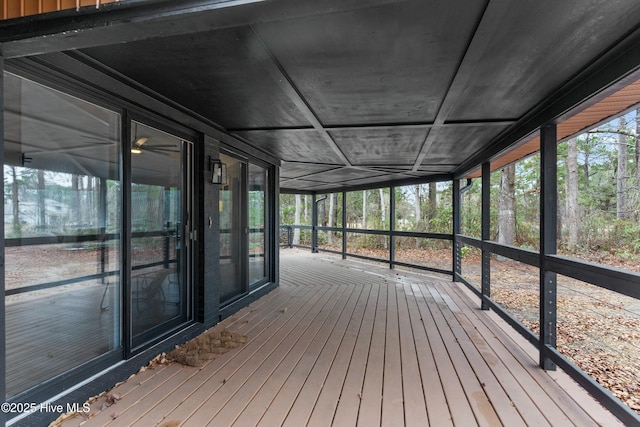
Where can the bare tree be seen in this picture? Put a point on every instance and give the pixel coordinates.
(296, 220)
(332, 198)
(506, 207)
(42, 215)
(432, 203)
(364, 209)
(637, 159)
(15, 199)
(621, 181)
(383, 210)
(571, 198)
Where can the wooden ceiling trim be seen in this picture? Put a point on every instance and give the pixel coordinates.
(19, 8)
(586, 119)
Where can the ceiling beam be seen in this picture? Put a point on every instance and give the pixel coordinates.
(383, 126)
(327, 188)
(282, 79)
(489, 21)
(135, 20)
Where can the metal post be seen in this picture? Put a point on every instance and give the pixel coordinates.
(274, 221)
(486, 233)
(392, 226)
(548, 217)
(2, 255)
(314, 224)
(324, 213)
(344, 225)
(457, 247)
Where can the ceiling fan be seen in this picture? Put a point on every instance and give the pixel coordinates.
(139, 147)
(136, 147)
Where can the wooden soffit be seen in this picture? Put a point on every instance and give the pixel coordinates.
(586, 119)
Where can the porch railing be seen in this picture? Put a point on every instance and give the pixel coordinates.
(287, 231)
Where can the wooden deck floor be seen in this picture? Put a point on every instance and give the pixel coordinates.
(348, 344)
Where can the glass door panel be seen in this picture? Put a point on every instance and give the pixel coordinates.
(160, 187)
(62, 233)
(256, 194)
(232, 230)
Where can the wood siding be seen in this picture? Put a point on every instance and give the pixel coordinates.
(17, 8)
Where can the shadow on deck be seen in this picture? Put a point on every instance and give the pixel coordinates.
(350, 344)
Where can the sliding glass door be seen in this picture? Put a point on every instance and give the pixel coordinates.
(62, 233)
(232, 230)
(160, 232)
(257, 191)
(243, 264)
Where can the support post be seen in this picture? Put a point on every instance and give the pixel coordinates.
(486, 233)
(392, 226)
(207, 290)
(548, 243)
(344, 225)
(273, 179)
(456, 247)
(314, 224)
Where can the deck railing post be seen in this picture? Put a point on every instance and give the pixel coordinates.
(548, 243)
(457, 247)
(486, 234)
(344, 225)
(392, 226)
(314, 224)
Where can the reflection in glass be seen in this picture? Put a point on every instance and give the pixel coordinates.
(62, 231)
(158, 280)
(231, 232)
(257, 189)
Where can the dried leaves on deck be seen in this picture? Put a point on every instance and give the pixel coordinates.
(206, 347)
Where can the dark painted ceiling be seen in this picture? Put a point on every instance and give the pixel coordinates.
(357, 93)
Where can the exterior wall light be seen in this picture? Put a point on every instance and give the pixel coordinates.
(218, 171)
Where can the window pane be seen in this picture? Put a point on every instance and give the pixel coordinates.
(158, 252)
(62, 230)
(232, 255)
(257, 189)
